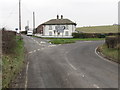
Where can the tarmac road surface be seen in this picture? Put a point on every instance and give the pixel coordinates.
(67, 66)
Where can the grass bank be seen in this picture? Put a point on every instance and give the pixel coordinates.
(12, 63)
(72, 40)
(110, 53)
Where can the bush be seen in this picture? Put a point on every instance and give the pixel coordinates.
(93, 35)
(112, 41)
(88, 35)
(24, 32)
(8, 41)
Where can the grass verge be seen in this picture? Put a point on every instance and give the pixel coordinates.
(12, 64)
(72, 40)
(110, 53)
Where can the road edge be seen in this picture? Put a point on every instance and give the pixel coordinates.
(104, 57)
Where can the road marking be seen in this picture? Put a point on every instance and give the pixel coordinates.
(42, 48)
(72, 66)
(51, 45)
(103, 57)
(69, 63)
(26, 78)
(34, 51)
(31, 52)
(82, 75)
(42, 42)
(37, 42)
(96, 86)
(38, 49)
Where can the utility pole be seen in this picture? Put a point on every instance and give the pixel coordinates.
(19, 15)
(28, 23)
(33, 20)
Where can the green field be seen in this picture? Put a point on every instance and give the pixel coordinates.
(98, 29)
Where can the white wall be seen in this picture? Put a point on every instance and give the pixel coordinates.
(71, 29)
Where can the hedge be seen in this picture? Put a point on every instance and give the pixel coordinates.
(112, 41)
(92, 35)
(8, 41)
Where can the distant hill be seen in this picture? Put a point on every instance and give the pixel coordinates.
(98, 29)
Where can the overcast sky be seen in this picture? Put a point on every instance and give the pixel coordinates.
(83, 12)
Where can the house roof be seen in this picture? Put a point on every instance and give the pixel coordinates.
(59, 22)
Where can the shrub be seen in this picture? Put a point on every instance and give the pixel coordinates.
(112, 41)
(93, 35)
(88, 35)
(24, 32)
(8, 41)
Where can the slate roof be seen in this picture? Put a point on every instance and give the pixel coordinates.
(59, 22)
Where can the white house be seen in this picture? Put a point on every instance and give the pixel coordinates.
(58, 28)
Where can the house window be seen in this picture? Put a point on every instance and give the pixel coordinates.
(66, 33)
(50, 33)
(50, 27)
(66, 27)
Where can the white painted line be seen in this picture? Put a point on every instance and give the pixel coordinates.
(42, 42)
(70, 63)
(103, 57)
(34, 51)
(72, 66)
(42, 48)
(38, 49)
(37, 42)
(96, 86)
(51, 45)
(26, 78)
(83, 75)
(30, 52)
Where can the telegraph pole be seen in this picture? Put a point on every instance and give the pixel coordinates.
(19, 15)
(28, 23)
(33, 20)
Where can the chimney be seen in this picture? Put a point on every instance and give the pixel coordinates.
(61, 16)
(57, 16)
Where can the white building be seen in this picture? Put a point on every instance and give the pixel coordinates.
(61, 28)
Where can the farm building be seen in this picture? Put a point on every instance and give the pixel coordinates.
(60, 27)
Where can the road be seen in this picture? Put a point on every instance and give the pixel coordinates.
(67, 66)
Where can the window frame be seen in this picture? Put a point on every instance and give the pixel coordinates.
(66, 33)
(50, 33)
(50, 27)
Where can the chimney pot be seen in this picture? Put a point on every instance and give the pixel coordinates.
(61, 16)
(57, 16)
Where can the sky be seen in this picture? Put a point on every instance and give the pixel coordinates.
(83, 12)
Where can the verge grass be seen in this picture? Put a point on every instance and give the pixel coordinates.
(110, 52)
(72, 40)
(12, 63)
